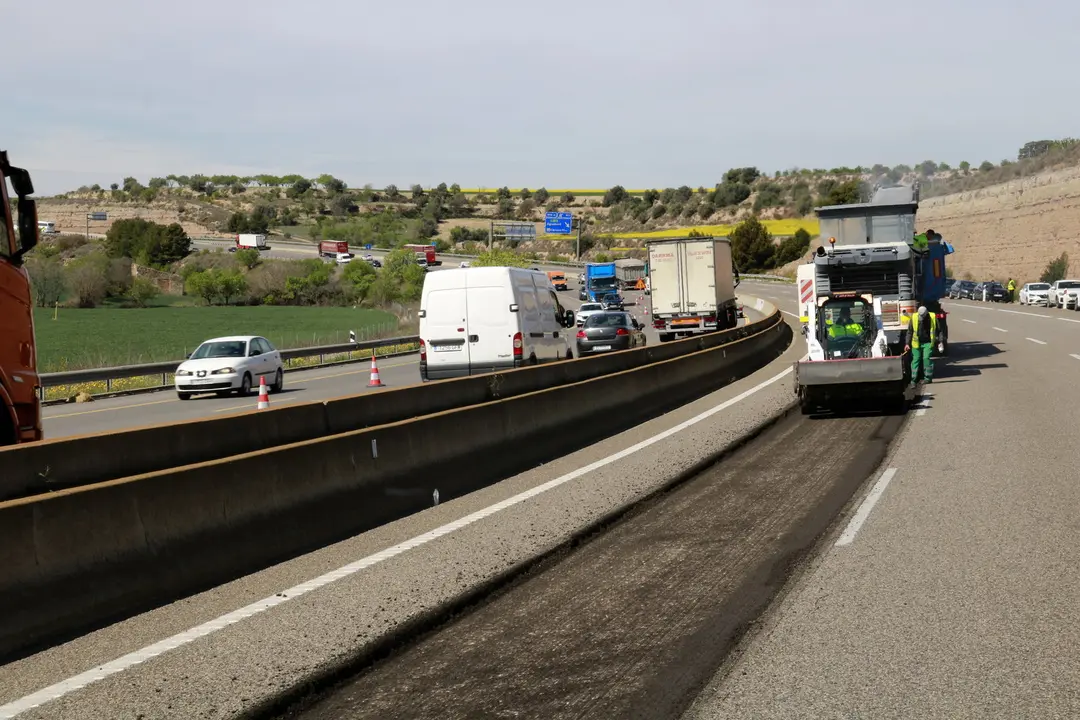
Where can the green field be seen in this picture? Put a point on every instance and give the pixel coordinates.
(103, 337)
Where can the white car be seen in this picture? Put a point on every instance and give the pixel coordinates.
(226, 364)
(1064, 294)
(369, 257)
(586, 310)
(344, 258)
(465, 263)
(1035, 294)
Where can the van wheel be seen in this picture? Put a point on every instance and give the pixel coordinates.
(569, 354)
(532, 359)
(7, 429)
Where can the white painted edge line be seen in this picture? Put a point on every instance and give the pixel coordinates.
(794, 315)
(66, 687)
(1018, 312)
(864, 509)
(1037, 342)
(1001, 329)
(1075, 356)
(969, 321)
(1069, 320)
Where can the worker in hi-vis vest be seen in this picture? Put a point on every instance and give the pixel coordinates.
(844, 326)
(1011, 287)
(921, 335)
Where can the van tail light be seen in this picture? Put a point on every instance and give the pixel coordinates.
(517, 345)
(581, 333)
(423, 351)
(622, 331)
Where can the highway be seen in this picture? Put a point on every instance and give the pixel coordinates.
(119, 413)
(834, 567)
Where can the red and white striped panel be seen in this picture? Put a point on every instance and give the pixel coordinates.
(806, 291)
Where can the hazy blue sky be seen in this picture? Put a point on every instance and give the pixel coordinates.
(555, 93)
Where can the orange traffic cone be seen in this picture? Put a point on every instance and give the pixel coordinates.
(375, 381)
(264, 398)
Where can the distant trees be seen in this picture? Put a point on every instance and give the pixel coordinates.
(1056, 269)
(146, 242)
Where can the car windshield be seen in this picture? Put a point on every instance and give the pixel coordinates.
(588, 307)
(1069, 284)
(608, 320)
(220, 349)
(1039, 286)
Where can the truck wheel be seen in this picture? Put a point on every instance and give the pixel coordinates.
(666, 338)
(7, 429)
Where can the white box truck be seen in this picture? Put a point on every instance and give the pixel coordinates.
(250, 240)
(485, 319)
(692, 286)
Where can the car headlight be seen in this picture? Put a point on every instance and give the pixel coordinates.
(184, 372)
(223, 371)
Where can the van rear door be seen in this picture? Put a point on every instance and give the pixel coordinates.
(491, 326)
(446, 327)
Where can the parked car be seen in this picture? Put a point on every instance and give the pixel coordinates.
(961, 289)
(1035, 293)
(226, 364)
(608, 332)
(484, 319)
(989, 292)
(586, 310)
(1064, 294)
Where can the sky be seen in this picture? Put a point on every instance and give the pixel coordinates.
(559, 94)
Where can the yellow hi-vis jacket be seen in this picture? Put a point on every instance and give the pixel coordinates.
(915, 329)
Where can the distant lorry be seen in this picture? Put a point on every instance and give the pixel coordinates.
(486, 319)
(692, 286)
(558, 279)
(857, 296)
(599, 281)
(424, 252)
(20, 407)
(250, 240)
(333, 248)
(629, 271)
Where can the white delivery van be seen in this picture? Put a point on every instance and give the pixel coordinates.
(482, 319)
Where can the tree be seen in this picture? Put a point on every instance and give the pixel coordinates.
(503, 193)
(986, 166)
(964, 166)
(428, 228)
(299, 187)
(114, 187)
(88, 279)
(147, 242)
(46, 280)
(525, 194)
(1034, 149)
(831, 192)
(248, 258)
(204, 284)
(392, 193)
(649, 197)
(743, 176)
(928, 168)
(568, 198)
(231, 284)
(142, 291)
(792, 248)
(359, 278)
(751, 245)
(526, 209)
(1056, 269)
(500, 258)
(615, 195)
(541, 196)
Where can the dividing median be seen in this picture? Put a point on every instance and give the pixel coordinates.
(79, 557)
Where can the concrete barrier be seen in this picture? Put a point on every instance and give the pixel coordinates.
(84, 556)
(87, 459)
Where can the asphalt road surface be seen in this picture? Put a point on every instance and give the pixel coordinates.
(634, 622)
(118, 413)
(958, 596)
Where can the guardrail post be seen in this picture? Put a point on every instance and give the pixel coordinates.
(108, 385)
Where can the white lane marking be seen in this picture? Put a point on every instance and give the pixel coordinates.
(1075, 356)
(969, 321)
(1039, 342)
(794, 315)
(1017, 312)
(137, 657)
(921, 406)
(1069, 320)
(1001, 329)
(864, 509)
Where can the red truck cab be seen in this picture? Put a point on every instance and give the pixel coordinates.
(20, 406)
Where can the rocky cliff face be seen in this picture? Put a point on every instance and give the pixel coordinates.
(70, 215)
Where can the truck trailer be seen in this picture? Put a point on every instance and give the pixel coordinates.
(857, 296)
(333, 248)
(250, 240)
(692, 286)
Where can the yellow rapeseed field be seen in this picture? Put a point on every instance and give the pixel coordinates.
(551, 191)
(776, 227)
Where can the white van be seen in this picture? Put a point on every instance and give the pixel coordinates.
(46, 227)
(480, 320)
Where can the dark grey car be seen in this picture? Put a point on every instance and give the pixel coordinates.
(609, 331)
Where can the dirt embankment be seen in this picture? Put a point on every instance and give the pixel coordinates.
(70, 215)
(1010, 230)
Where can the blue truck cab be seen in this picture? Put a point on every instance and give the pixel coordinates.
(600, 280)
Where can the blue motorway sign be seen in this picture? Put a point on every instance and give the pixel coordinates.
(558, 223)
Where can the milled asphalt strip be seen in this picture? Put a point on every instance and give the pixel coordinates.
(864, 509)
(66, 687)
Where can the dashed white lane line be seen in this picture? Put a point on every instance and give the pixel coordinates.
(864, 509)
(1018, 312)
(969, 321)
(1037, 342)
(1075, 356)
(1069, 320)
(1001, 329)
(126, 662)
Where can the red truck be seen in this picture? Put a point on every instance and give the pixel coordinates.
(20, 407)
(331, 248)
(424, 252)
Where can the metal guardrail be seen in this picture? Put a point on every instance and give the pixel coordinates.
(166, 368)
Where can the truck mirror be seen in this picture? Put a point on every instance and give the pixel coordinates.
(28, 227)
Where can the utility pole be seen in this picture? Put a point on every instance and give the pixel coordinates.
(580, 222)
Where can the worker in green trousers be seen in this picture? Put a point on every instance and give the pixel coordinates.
(921, 335)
